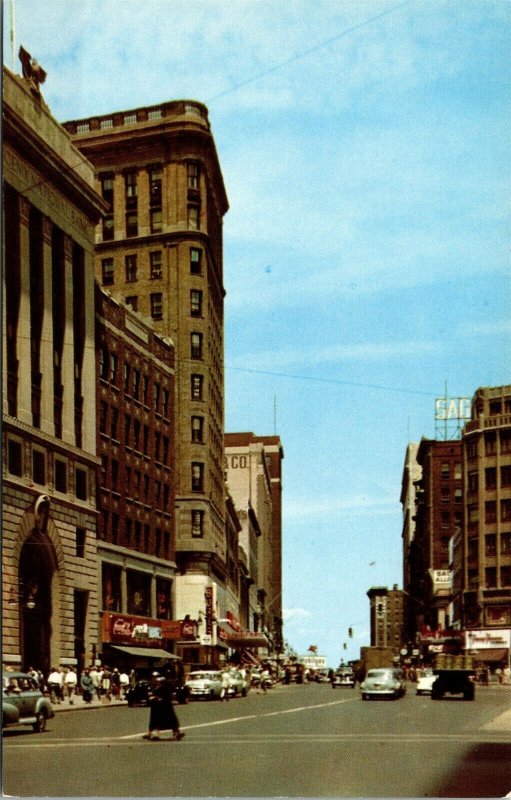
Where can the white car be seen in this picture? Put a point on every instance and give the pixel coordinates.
(425, 682)
(384, 682)
(204, 683)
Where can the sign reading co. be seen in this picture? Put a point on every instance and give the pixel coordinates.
(237, 462)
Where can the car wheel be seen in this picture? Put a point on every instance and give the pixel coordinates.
(243, 692)
(40, 722)
(364, 696)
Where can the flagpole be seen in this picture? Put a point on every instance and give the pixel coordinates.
(12, 38)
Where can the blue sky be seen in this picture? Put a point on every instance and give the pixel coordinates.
(365, 151)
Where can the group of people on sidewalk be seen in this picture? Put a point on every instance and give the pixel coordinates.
(100, 683)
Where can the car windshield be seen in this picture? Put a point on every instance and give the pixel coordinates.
(379, 673)
(201, 676)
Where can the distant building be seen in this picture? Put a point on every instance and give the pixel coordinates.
(254, 476)
(439, 515)
(386, 617)
(487, 526)
(409, 482)
(50, 209)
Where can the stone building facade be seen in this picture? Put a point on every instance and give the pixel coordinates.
(50, 211)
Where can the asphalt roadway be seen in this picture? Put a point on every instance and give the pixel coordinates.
(293, 741)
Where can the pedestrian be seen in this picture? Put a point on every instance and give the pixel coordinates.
(87, 685)
(96, 681)
(106, 685)
(125, 682)
(115, 681)
(55, 685)
(265, 677)
(162, 715)
(70, 683)
(226, 685)
(331, 677)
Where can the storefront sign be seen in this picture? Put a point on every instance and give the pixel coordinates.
(208, 600)
(483, 640)
(441, 580)
(125, 629)
(452, 408)
(233, 621)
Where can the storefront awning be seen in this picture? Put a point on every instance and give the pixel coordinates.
(491, 654)
(146, 652)
(244, 638)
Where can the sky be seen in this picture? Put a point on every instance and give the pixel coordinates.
(365, 150)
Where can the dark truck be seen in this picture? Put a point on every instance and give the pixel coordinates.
(455, 675)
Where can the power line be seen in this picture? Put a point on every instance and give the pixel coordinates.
(396, 389)
(307, 52)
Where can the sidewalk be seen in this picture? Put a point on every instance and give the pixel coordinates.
(78, 704)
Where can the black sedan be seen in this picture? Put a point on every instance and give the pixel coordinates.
(138, 695)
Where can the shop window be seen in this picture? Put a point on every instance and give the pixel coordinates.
(163, 598)
(111, 587)
(139, 593)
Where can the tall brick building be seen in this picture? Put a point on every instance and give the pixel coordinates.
(160, 248)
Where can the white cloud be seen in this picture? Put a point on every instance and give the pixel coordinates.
(326, 507)
(296, 614)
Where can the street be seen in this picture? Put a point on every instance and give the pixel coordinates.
(306, 741)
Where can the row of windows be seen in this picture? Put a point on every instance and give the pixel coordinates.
(156, 303)
(131, 270)
(135, 484)
(155, 201)
(138, 593)
(39, 469)
(136, 385)
(490, 511)
(490, 544)
(490, 577)
(445, 470)
(490, 478)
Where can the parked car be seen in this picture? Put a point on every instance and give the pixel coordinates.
(239, 683)
(23, 702)
(206, 684)
(384, 682)
(344, 677)
(425, 681)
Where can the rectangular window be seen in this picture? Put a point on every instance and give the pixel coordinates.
(490, 444)
(490, 511)
(193, 176)
(196, 303)
(156, 397)
(145, 389)
(505, 510)
(136, 434)
(60, 476)
(166, 444)
(156, 220)
(193, 217)
(107, 271)
(114, 467)
(38, 467)
(155, 187)
(457, 471)
(445, 469)
(197, 477)
(505, 576)
(103, 415)
(15, 462)
(163, 598)
(114, 422)
(490, 477)
(195, 261)
(490, 545)
(127, 378)
(197, 523)
(198, 430)
(157, 305)
(81, 538)
(196, 345)
(132, 224)
(490, 577)
(165, 396)
(473, 481)
(458, 495)
(111, 585)
(132, 302)
(107, 189)
(130, 182)
(81, 483)
(505, 544)
(505, 477)
(136, 384)
(139, 593)
(445, 495)
(505, 441)
(495, 407)
(155, 264)
(445, 519)
(131, 268)
(113, 368)
(197, 385)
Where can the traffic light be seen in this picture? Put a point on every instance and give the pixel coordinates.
(345, 646)
(350, 633)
